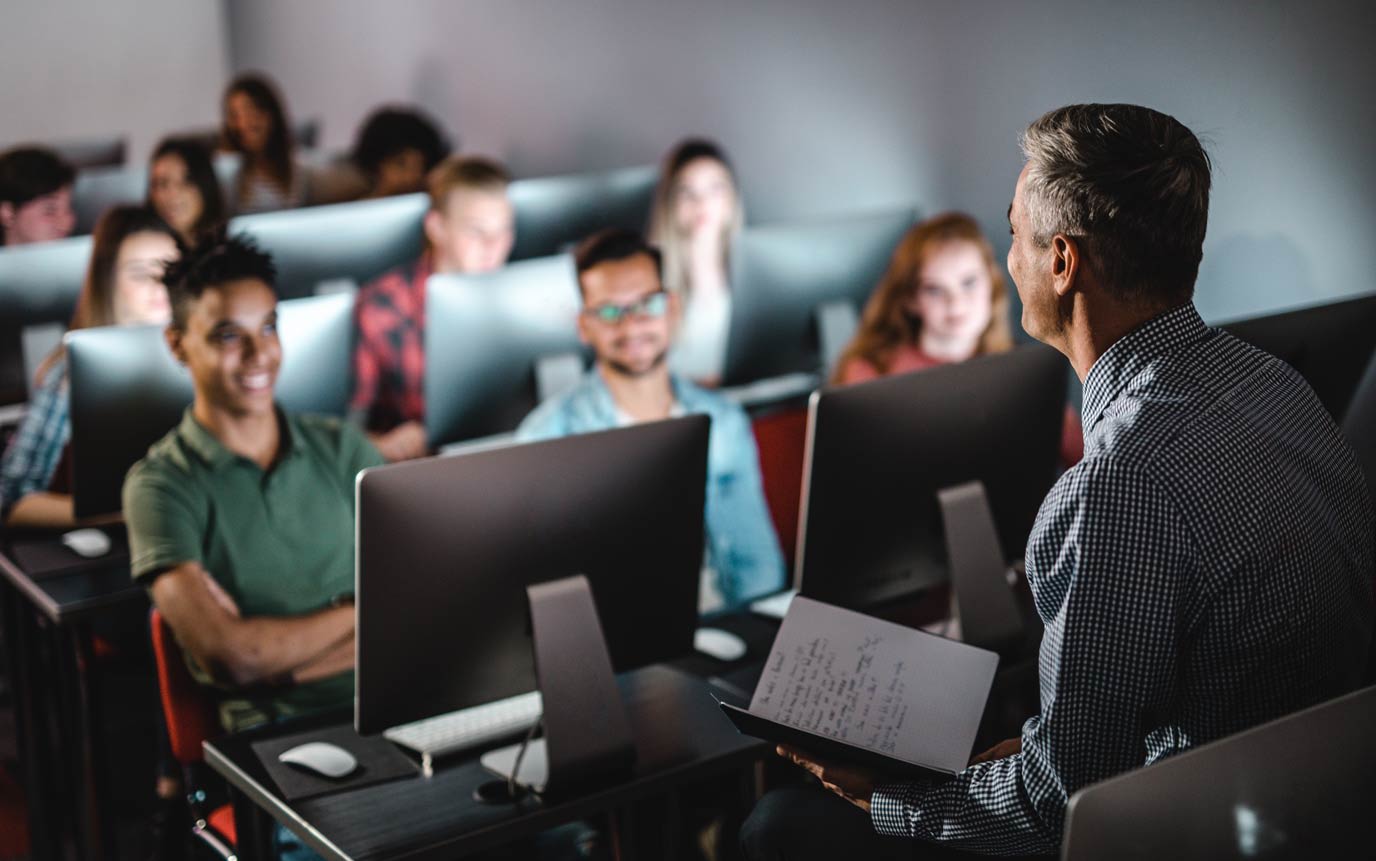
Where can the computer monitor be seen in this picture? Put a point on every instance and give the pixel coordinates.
(447, 547)
(1297, 787)
(1329, 345)
(92, 152)
(484, 335)
(39, 284)
(782, 274)
(555, 212)
(878, 453)
(357, 242)
(127, 390)
(98, 189)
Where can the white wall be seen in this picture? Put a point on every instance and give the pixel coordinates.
(828, 106)
(74, 69)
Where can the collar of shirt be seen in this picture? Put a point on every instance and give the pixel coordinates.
(209, 448)
(685, 399)
(1133, 353)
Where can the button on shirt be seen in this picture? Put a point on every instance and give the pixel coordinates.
(280, 542)
(1207, 567)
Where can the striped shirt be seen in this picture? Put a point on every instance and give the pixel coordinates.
(1207, 567)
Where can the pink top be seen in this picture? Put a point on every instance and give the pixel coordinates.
(910, 358)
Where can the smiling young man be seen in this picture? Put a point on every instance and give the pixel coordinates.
(241, 519)
(1205, 568)
(627, 320)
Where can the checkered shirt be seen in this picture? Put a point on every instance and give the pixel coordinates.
(34, 452)
(1207, 567)
(389, 358)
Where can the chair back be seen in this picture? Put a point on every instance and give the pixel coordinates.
(189, 709)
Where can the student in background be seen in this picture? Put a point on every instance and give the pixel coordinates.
(697, 212)
(183, 189)
(628, 319)
(942, 300)
(256, 127)
(395, 150)
(132, 247)
(469, 228)
(241, 519)
(35, 196)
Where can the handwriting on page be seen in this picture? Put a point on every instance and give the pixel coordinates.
(854, 693)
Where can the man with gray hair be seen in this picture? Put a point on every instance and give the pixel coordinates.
(1205, 568)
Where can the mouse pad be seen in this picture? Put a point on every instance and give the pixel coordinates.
(47, 556)
(378, 760)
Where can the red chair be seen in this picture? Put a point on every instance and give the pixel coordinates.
(780, 437)
(191, 719)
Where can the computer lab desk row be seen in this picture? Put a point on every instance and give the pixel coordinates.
(55, 604)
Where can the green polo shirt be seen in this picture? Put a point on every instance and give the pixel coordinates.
(280, 542)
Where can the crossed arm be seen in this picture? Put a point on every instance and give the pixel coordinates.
(261, 650)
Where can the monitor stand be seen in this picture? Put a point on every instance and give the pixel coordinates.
(587, 735)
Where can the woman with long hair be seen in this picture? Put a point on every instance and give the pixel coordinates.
(697, 213)
(183, 189)
(123, 287)
(943, 299)
(256, 128)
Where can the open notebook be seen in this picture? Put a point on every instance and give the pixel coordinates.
(870, 693)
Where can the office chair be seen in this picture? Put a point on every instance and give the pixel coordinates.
(191, 719)
(780, 438)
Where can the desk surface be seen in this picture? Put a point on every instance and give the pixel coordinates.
(680, 736)
(89, 587)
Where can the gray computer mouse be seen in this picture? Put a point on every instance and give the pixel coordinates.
(321, 757)
(719, 644)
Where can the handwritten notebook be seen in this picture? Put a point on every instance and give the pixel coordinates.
(869, 692)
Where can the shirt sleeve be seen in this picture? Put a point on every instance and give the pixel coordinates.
(165, 518)
(36, 449)
(367, 369)
(742, 546)
(356, 451)
(1107, 664)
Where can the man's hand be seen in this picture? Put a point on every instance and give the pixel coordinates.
(403, 442)
(852, 784)
(1002, 750)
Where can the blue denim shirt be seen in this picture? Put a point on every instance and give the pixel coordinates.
(741, 545)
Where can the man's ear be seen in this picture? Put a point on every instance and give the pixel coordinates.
(173, 337)
(6, 215)
(434, 227)
(1065, 264)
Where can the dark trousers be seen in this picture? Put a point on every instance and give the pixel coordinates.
(798, 823)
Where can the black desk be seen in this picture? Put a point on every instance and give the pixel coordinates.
(680, 735)
(47, 624)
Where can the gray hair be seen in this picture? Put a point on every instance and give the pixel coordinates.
(1131, 185)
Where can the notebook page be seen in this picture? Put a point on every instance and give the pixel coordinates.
(875, 684)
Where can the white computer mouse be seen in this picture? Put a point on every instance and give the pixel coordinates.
(322, 758)
(87, 542)
(719, 644)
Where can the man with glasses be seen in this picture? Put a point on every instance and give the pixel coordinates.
(627, 321)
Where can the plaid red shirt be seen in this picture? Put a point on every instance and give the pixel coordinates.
(389, 359)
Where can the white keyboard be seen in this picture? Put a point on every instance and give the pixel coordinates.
(467, 728)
